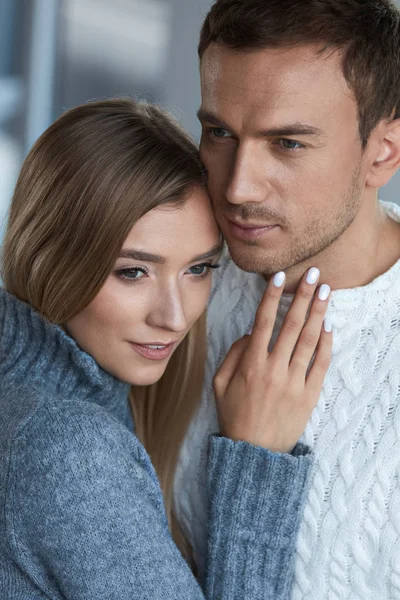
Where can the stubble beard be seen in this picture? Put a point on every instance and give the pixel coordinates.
(321, 232)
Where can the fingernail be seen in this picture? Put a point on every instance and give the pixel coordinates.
(324, 291)
(312, 275)
(279, 279)
(327, 324)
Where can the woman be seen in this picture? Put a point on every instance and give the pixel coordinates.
(106, 265)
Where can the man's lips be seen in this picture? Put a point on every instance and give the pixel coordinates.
(246, 231)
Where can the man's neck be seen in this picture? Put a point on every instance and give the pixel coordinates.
(369, 247)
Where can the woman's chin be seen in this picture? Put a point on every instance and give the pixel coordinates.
(142, 376)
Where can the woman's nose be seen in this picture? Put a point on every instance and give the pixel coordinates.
(168, 312)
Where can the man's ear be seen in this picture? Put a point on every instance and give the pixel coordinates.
(386, 154)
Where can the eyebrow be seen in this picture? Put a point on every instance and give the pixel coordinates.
(156, 258)
(284, 130)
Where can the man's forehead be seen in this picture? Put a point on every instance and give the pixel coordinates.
(286, 70)
(275, 81)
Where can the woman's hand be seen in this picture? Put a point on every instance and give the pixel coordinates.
(267, 398)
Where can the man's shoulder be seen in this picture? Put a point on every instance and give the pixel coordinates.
(233, 303)
(234, 289)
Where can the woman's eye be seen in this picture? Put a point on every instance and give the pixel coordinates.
(290, 144)
(202, 270)
(199, 269)
(132, 274)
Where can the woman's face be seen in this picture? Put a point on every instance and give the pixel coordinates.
(157, 290)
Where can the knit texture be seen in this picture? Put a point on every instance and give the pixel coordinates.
(349, 539)
(81, 510)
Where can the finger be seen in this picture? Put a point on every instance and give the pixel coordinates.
(230, 365)
(311, 333)
(265, 318)
(294, 321)
(320, 366)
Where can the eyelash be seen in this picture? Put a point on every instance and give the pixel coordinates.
(122, 273)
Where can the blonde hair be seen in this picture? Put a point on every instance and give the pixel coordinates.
(97, 170)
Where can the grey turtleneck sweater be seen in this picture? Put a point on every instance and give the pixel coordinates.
(81, 511)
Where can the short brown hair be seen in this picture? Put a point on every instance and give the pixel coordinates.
(366, 31)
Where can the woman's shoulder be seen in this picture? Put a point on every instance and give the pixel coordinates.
(68, 452)
(27, 406)
(82, 495)
(59, 424)
(71, 436)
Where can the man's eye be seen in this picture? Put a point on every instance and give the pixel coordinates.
(290, 144)
(219, 132)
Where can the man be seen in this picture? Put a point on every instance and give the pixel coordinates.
(300, 119)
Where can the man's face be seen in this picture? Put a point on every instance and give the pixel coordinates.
(281, 145)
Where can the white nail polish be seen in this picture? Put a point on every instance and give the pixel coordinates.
(312, 275)
(328, 324)
(324, 292)
(279, 279)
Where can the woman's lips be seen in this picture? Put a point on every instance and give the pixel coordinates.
(249, 232)
(153, 353)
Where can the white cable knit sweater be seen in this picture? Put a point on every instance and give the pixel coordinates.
(349, 539)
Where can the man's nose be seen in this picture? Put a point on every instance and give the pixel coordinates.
(248, 182)
(168, 312)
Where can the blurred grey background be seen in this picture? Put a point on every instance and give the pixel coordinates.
(55, 54)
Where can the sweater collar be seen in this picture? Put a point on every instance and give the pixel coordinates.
(348, 304)
(386, 283)
(35, 351)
